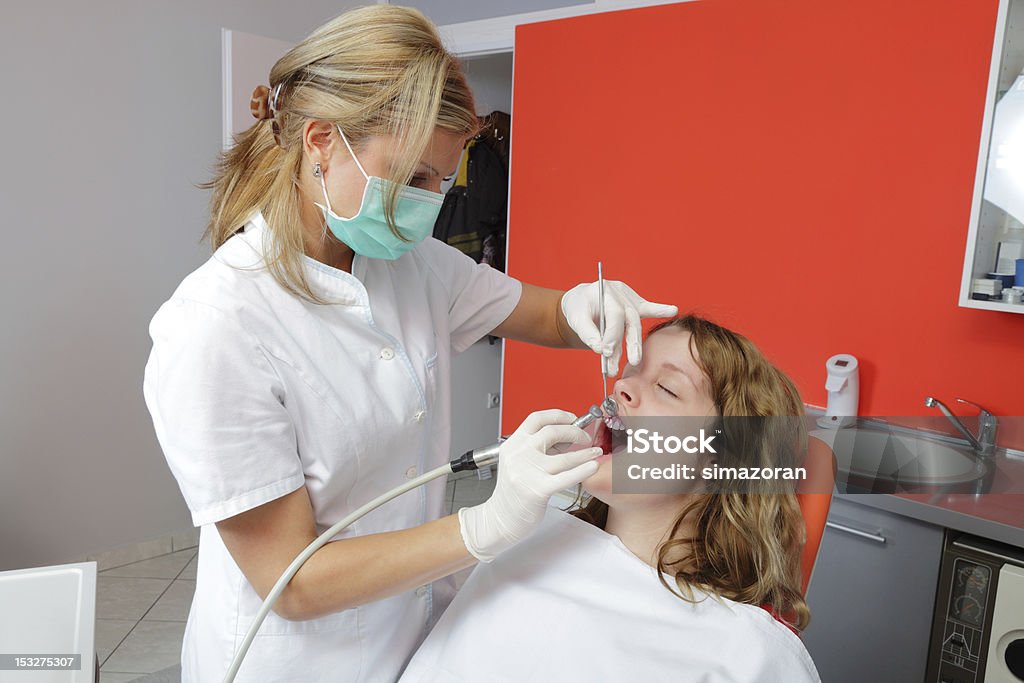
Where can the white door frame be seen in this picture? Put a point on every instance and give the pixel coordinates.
(491, 36)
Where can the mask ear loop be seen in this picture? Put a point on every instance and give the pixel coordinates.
(320, 174)
(354, 157)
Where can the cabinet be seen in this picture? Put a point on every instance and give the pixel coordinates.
(995, 236)
(871, 595)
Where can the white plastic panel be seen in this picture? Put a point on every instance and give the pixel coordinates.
(1007, 623)
(49, 611)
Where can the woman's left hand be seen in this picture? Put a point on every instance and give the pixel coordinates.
(624, 309)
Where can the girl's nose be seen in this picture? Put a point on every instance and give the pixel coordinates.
(624, 394)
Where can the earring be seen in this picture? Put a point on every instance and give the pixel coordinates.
(316, 170)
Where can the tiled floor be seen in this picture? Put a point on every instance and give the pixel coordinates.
(141, 608)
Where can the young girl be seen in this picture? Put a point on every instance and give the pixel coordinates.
(683, 586)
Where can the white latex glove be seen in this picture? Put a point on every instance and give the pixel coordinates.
(527, 478)
(624, 309)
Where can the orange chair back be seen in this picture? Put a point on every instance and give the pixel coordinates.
(821, 476)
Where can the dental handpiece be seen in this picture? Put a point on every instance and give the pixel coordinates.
(488, 455)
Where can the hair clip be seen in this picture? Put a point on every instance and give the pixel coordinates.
(265, 105)
(259, 105)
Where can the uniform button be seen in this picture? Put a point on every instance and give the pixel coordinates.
(421, 591)
(410, 473)
(387, 353)
(419, 416)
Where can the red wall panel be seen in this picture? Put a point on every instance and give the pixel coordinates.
(800, 171)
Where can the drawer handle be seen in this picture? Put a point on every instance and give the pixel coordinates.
(856, 532)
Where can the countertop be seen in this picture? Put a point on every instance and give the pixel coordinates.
(998, 515)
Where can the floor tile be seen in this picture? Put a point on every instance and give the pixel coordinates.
(126, 598)
(109, 634)
(110, 677)
(190, 569)
(185, 540)
(151, 646)
(132, 553)
(174, 604)
(163, 567)
(169, 675)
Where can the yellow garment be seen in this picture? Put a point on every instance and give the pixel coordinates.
(462, 177)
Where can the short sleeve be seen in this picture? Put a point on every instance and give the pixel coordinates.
(218, 408)
(479, 297)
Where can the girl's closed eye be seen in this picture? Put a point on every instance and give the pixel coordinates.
(667, 390)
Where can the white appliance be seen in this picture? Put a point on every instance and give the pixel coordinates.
(48, 614)
(843, 385)
(1005, 663)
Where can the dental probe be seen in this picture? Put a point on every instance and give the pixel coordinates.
(600, 304)
(608, 405)
(471, 460)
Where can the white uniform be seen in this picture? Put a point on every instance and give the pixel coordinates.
(572, 603)
(255, 393)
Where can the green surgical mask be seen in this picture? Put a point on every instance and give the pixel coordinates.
(367, 233)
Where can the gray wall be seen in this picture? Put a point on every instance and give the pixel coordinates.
(111, 111)
(476, 372)
(490, 77)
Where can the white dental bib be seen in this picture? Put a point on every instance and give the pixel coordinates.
(571, 603)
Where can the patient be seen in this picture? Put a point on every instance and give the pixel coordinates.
(685, 586)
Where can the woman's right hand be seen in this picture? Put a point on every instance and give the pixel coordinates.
(527, 478)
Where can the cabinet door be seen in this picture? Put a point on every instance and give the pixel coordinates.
(871, 596)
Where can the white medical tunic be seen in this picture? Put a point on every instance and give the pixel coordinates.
(572, 603)
(255, 393)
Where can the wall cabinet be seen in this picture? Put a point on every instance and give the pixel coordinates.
(996, 231)
(871, 595)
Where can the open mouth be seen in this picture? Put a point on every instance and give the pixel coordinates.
(614, 422)
(603, 439)
(609, 440)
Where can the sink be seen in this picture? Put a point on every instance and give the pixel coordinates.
(872, 460)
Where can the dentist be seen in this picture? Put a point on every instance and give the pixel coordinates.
(304, 369)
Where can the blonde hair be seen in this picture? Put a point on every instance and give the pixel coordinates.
(747, 544)
(378, 70)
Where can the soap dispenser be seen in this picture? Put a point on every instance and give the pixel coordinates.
(843, 386)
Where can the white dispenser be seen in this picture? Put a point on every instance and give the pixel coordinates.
(843, 385)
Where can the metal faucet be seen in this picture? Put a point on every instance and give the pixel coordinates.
(985, 443)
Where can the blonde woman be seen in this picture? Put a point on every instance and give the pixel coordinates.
(651, 586)
(304, 369)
